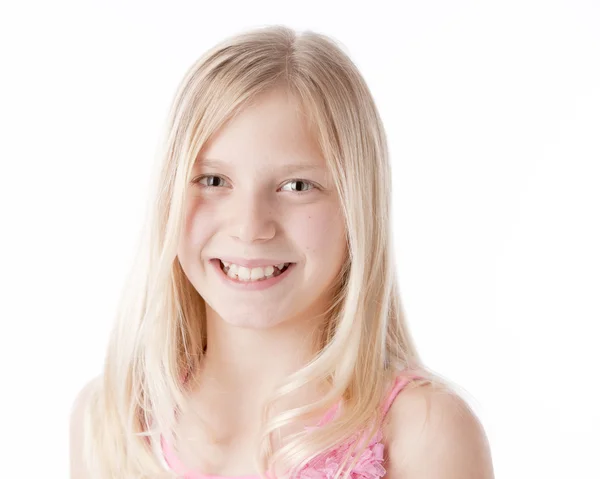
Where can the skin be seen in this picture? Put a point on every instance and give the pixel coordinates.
(435, 435)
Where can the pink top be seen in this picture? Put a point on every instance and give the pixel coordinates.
(369, 466)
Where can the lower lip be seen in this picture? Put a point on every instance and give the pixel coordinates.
(250, 285)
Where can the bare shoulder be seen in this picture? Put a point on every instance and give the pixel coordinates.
(76, 428)
(433, 433)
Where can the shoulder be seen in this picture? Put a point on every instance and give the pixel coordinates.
(82, 400)
(76, 427)
(433, 433)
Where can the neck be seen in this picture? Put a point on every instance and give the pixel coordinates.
(256, 360)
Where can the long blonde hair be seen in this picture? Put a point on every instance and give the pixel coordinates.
(159, 335)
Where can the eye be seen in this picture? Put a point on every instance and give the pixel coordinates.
(214, 179)
(297, 182)
(211, 185)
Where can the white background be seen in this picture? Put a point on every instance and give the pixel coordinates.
(492, 109)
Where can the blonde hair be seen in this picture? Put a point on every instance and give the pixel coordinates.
(159, 335)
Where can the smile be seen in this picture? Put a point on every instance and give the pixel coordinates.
(241, 278)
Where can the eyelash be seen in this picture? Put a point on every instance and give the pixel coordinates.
(198, 179)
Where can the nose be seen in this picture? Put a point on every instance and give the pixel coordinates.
(252, 218)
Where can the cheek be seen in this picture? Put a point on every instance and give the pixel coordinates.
(322, 233)
(195, 230)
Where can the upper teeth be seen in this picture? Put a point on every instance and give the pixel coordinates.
(249, 274)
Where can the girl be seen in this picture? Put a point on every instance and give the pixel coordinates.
(261, 332)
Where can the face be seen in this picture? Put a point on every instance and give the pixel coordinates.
(260, 190)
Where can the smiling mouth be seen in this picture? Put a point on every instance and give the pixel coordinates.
(272, 274)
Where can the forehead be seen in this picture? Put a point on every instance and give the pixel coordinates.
(302, 165)
(273, 129)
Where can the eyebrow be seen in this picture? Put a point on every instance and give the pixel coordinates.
(285, 168)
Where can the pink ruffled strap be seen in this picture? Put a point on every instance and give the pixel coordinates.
(401, 381)
(370, 464)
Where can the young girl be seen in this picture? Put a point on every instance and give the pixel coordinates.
(261, 332)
